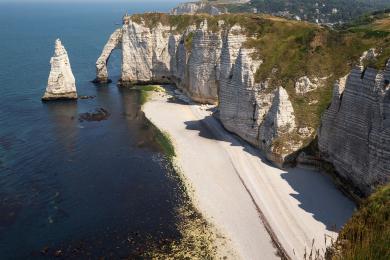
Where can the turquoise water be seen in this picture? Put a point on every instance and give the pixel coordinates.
(70, 188)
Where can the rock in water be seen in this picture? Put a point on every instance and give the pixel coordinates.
(61, 83)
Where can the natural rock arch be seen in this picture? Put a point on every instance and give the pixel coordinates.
(115, 42)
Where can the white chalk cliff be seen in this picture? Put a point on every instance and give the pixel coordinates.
(215, 66)
(61, 83)
(210, 67)
(101, 64)
(355, 131)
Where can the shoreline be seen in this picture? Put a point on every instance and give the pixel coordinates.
(249, 201)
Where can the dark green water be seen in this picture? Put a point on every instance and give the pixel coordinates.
(89, 189)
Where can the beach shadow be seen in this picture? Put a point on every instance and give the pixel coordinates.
(211, 128)
(202, 126)
(318, 195)
(315, 192)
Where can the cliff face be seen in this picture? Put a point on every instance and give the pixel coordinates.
(61, 83)
(210, 66)
(101, 65)
(355, 131)
(274, 104)
(160, 55)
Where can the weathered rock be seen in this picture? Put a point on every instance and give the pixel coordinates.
(355, 131)
(101, 65)
(159, 55)
(305, 85)
(98, 115)
(248, 108)
(279, 122)
(61, 83)
(367, 57)
(241, 106)
(202, 73)
(87, 97)
(208, 66)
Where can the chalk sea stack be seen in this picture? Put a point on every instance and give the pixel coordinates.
(61, 84)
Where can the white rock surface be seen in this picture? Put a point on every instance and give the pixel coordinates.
(202, 73)
(367, 56)
(280, 118)
(210, 67)
(355, 131)
(61, 83)
(305, 85)
(101, 65)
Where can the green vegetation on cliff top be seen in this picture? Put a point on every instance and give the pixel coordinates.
(292, 49)
(367, 233)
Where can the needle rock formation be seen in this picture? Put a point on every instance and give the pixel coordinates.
(61, 83)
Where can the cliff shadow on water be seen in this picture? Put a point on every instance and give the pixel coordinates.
(314, 191)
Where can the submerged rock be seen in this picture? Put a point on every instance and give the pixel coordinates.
(98, 115)
(61, 83)
(87, 97)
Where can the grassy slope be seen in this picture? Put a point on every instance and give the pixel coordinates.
(367, 233)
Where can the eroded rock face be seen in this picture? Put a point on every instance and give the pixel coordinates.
(202, 65)
(160, 55)
(61, 83)
(101, 65)
(146, 53)
(210, 67)
(355, 131)
(305, 85)
(252, 111)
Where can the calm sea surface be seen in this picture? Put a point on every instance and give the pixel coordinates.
(84, 188)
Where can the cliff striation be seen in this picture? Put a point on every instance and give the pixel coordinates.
(61, 83)
(211, 65)
(271, 78)
(101, 65)
(355, 131)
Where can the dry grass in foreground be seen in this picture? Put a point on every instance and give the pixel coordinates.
(367, 233)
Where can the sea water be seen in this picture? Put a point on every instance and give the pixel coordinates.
(70, 188)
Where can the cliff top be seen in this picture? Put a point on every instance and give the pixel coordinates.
(293, 49)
